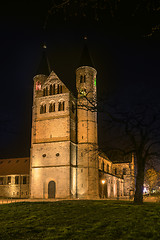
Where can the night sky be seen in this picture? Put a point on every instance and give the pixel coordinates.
(125, 55)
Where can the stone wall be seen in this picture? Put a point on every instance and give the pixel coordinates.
(13, 189)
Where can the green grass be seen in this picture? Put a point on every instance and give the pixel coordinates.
(80, 220)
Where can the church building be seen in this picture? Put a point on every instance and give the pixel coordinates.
(65, 161)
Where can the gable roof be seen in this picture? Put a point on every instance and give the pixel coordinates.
(14, 166)
(53, 76)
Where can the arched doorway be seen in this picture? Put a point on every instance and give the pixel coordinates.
(51, 189)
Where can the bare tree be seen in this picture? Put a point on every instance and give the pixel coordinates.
(138, 14)
(133, 129)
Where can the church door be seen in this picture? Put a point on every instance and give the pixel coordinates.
(51, 189)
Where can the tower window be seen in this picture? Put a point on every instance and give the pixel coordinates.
(46, 91)
(53, 89)
(81, 79)
(61, 106)
(115, 171)
(38, 86)
(58, 89)
(108, 168)
(50, 90)
(52, 107)
(43, 108)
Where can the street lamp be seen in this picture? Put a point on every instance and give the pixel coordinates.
(103, 182)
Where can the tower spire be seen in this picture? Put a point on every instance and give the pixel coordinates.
(44, 66)
(86, 59)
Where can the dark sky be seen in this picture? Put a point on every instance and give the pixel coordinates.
(127, 61)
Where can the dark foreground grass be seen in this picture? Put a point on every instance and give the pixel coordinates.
(80, 220)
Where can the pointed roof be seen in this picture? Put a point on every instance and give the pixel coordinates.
(86, 59)
(44, 66)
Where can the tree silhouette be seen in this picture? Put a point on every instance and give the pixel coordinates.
(130, 129)
(141, 16)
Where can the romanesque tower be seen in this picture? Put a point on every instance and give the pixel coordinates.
(87, 162)
(53, 147)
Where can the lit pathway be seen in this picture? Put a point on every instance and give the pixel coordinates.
(7, 201)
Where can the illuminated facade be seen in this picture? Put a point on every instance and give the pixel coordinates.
(64, 158)
(64, 151)
(14, 177)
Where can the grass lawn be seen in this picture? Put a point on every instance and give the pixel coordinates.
(80, 220)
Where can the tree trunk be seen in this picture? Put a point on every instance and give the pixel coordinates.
(138, 197)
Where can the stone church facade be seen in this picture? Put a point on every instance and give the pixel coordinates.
(65, 161)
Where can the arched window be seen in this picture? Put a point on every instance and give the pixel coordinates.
(81, 79)
(44, 92)
(115, 171)
(43, 108)
(52, 107)
(61, 106)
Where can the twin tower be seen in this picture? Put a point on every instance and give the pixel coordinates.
(64, 156)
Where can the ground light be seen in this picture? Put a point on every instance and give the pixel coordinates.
(103, 182)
